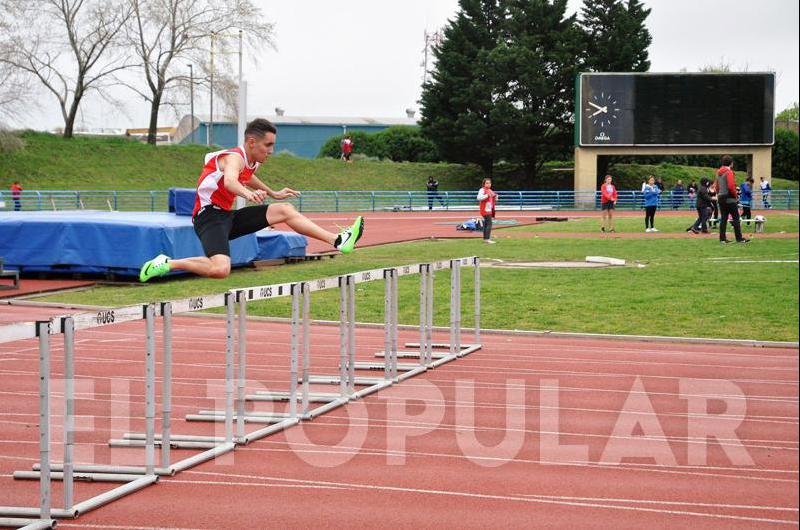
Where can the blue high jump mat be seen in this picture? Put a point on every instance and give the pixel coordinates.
(117, 242)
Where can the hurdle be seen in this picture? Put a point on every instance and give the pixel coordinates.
(46, 471)
(299, 395)
(212, 446)
(133, 478)
(43, 516)
(300, 378)
(423, 350)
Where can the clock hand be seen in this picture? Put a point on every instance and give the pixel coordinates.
(595, 106)
(599, 110)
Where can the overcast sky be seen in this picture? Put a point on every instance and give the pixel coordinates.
(362, 58)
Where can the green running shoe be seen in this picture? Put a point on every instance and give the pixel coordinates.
(158, 266)
(349, 236)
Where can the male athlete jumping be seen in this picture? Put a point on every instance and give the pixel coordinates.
(226, 175)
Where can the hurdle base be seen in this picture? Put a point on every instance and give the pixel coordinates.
(314, 397)
(78, 477)
(27, 524)
(176, 444)
(99, 468)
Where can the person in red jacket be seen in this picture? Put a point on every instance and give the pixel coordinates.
(347, 148)
(608, 201)
(488, 202)
(16, 195)
(728, 197)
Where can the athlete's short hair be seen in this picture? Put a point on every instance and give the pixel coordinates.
(259, 127)
(727, 160)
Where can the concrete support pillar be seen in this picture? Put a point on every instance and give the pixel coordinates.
(762, 163)
(585, 174)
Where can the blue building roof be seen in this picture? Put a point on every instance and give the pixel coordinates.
(300, 135)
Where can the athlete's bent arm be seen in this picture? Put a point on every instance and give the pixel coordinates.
(231, 166)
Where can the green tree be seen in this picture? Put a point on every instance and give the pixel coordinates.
(789, 113)
(785, 154)
(616, 36)
(457, 102)
(503, 85)
(616, 40)
(534, 82)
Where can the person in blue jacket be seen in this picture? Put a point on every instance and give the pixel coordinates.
(746, 197)
(651, 196)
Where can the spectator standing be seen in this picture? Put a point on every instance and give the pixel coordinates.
(608, 201)
(728, 199)
(488, 203)
(652, 193)
(433, 192)
(660, 186)
(746, 197)
(16, 195)
(347, 148)
(712, 191)
(704, 208)
(691, 191)
(677, 195)
(766, 189)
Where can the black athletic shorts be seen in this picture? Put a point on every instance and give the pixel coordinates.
(216, 227)
(607, 205)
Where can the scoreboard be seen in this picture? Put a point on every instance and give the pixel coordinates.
(682, 109)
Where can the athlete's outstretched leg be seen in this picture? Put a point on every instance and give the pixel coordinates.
(286, 213)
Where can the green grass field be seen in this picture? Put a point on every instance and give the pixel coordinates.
(684, 287)
(775, 223)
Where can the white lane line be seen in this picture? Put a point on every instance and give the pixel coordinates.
(63, 524)
(653, 468)
(464, 494)
(676, 503)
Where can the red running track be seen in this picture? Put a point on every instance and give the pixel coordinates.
(529, 431)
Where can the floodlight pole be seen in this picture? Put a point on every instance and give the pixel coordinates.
(242, 96)
(210, 131)
(191, 97)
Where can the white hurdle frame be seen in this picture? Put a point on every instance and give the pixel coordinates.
(45, 471)
(138, 477)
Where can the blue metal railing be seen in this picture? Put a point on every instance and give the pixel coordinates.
(358, 201)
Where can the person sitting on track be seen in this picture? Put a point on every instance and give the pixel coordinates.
(226, 175)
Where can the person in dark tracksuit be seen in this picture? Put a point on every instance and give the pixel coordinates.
(746, 197)
(704, 208)
(652, 194)
(727, 197)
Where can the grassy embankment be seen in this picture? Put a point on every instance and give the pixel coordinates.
(48, 162)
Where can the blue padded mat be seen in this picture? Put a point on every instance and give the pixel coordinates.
(274, 244)
(181, 200)
(102, 242)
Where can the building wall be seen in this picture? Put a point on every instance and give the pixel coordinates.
(303, 140)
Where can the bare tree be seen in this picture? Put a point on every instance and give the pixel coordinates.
(13, 86)
(169, 33)
(13, 90)
(67, 45)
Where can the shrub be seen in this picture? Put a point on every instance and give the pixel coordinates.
(785, 155)
(406, 144)
(400, 144)
(9, 142)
